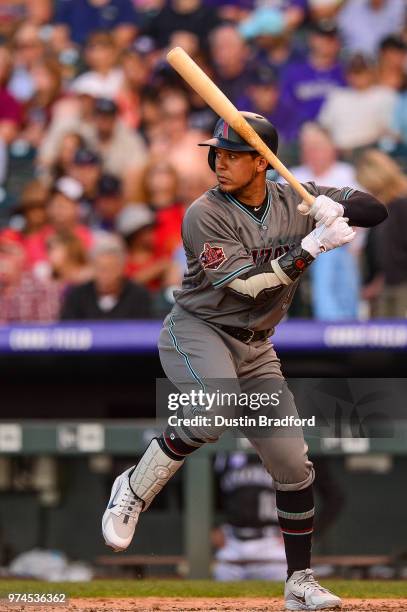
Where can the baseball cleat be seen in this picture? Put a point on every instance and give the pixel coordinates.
(122, 512)
(303, 592)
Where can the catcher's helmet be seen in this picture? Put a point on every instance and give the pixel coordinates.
(225, 137)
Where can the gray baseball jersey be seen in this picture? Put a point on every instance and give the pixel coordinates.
(223, 240)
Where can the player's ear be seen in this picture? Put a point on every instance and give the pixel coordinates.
(262, 164)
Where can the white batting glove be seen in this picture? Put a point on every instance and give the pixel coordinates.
(324, 238)
(324, 210)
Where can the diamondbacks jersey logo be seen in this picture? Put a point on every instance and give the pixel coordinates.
(212, 257)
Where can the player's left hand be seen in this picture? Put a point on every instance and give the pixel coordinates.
(324, 210)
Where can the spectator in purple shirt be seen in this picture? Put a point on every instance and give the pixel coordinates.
(79, 18)
(230, 56)
(263, 97)
(306, 84)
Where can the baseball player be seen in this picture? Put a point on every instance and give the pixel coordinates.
(247, 242)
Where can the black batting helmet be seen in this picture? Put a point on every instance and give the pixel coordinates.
(225, 137)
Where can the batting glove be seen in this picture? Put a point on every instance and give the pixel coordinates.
(324, 238)
(324, 210)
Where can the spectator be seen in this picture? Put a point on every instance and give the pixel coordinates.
(335, 277)
(70, 143)
(135, 73)
(68, 260)
(387, 289)
(47, 78)
(77, 19)
(32, 208)
(177, 141)
(159, 189)
(64, 210)
(123, 152)
(108, 203)
(358, 115)
(22, 296)
(110, 295)
(86, 169)
(263, 96)
(10, 109)
(320, 159)
(324, 9)
(364, 23)
(392, 60)
(182, 15)
(230, 56)
(136, 224)
(105, 78)
(306, 84)
(28, 50)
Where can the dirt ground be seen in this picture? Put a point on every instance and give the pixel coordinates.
(175, 604)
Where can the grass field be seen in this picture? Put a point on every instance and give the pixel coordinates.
(197, 588)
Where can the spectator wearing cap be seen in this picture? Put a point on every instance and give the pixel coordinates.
(10, 109)
(110, 295)
(192, 16)
(123, 151)
(23, 297)
(108, 203)
(86, 169)
(64, 210)
(307, 83)
(364, 23)
(105, 78)
(144, 265)
(63, 216)
(391, 62)
(79, 18)
(358, 115)
(275, 20)
(263, 96)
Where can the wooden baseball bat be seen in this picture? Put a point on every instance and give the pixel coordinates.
(216, 99)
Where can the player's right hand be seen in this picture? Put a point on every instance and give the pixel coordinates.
(325, 238)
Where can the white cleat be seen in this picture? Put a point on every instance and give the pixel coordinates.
(132, 493)
(303, 592)
(121, 515)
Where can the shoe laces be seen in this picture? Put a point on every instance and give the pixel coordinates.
(308, 580)
(130, 505)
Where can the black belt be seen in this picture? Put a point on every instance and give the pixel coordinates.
(245, 335)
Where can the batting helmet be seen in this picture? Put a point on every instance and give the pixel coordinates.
(225, 137)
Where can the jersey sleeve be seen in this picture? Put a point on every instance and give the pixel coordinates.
(216, 246)
(362, 209)
(339, 194)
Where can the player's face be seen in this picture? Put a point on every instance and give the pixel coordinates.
(234, 171)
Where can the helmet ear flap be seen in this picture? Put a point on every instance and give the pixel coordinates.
(211, 158)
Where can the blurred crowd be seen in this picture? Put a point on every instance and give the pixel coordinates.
(98, 135)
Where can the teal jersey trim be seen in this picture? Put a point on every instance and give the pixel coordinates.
(184, 355)
(229, 277)
(236, 202)
(348, 193)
